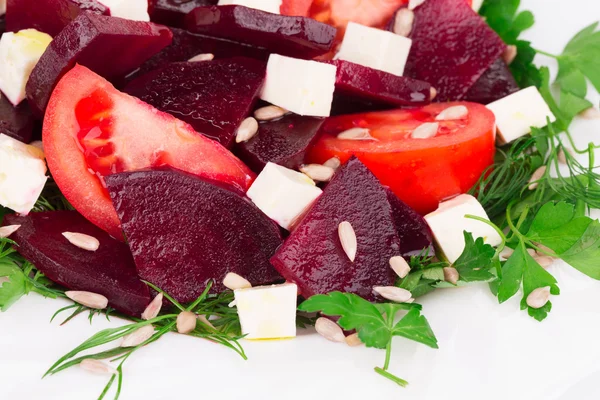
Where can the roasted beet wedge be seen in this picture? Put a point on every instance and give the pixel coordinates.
(17, 122)
(452, 47)
(496, 83)
(184, 231)
(186, 45)
(109, 46)
(364, 83)
(284, 141)
(212, 96)
(298, 37)
(414, 233)
(173, 12)
(108, 271)
(313, 256)
(49, 16)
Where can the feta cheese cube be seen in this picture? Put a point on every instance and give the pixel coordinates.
(19, 53)
(375, 48)
(300, 86)
(2, 7)
(448, 223)
(272, 6)
(22, 174)
(268, 312)
(136, 10)
(476, 5)
(283, 194)
(518, 112)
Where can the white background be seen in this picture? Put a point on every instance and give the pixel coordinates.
(487, 351)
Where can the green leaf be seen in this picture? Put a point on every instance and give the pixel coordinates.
(523, 69)
(434, 274)
(415, 327)
(474, 263)
(15, 288)
(585, 253)
(534, 276)
(502, 17)
(512, 275)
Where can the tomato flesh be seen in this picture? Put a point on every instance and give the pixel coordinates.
(422, 172)
(92, 130)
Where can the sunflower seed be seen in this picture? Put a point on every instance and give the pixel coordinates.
(88, 299)
(451, 113)
(353, 340)
(333, 162)
(4, 279)
(83, 241)
(97, 367)
(269, 113)
(348, 239)
(562, 155)
(247, 130)
(202, 57)
(356, 134)
(403, 23)
(153, 308)
(186, 322)
(539, 297)
(590, 113)
(509, 54)
(531, 252)
(234, 282)
(316, 172)
(451, 275)
(544, 261)
(138, 337)
(432, 93)
(393, 293)
(400, 266)
(8, 230)
(425, 131)
(412, 4)
(537, 175)
(545, 251)
(506, 253)
(330, 330)
(205, 321)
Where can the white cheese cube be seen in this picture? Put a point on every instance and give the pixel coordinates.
(22, 174)
(268, 312)
(2, 7)
(518, 112)
(375, 48)
(448, 223)
(19, 53)
(300, 86)
(136, 10)
(283, 194)
(476, 5)
(272, 6)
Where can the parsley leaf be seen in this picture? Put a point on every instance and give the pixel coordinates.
(16, 286)
(474, 263)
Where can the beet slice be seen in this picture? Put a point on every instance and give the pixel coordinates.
(173, 12)
(452, 47)
(496, 83)
(298, 37)
(49, 16)
(313, 257)
(414, 232)
(284, 141)
(364, 83)
(109, 46)
(212, 96)
(16, 122)
(109, 271)
(184, 231)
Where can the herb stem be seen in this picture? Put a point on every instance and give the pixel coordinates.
(391, 377)
(547, 54)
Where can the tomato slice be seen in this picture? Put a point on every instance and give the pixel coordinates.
(422, 172)
(338, 13)
(92, 130)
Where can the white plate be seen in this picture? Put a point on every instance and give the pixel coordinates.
(487, 351)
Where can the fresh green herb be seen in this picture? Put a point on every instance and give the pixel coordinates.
(51, 199)
(475, 262)
(374, 323)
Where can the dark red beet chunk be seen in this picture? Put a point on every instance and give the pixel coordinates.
(452, 47)
(313, 257)
(212, 96)
(173, 12)
(109, 46)
(414, 233)
(184, 231)
(283, 141)
(364, 83)
(186, 45)
(49, 16)
(108, 271)
(496, 83)
(16, 122)
(289, 36)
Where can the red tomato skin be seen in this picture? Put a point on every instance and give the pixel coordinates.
(296, 8)
(424, 173)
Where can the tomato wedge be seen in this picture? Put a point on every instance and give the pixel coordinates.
(296, 8)
(422, 172)
(92, 130)
(365, 12)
